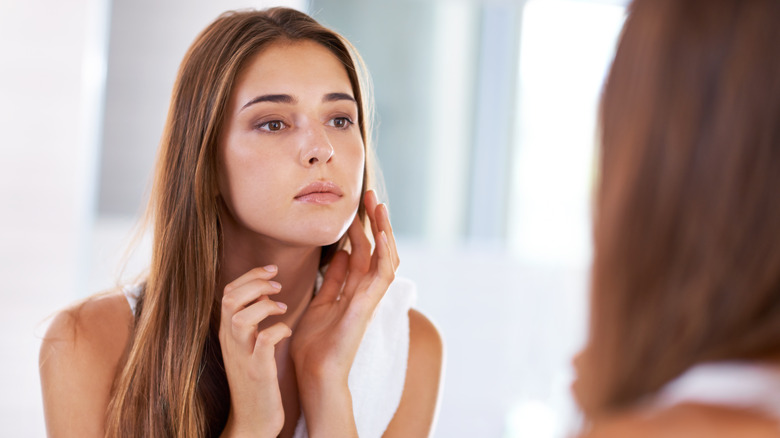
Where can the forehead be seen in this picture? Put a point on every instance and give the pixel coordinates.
(292, 67)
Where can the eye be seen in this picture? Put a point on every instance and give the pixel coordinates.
(272, 126)
(340, 122)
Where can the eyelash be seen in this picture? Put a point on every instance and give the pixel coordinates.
(265, 125)
(347, 122)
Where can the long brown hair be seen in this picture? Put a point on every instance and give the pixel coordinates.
(173, 383)
(687, 225)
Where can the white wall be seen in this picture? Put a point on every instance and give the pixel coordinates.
(50, 97)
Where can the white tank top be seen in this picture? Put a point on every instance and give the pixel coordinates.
(376, 380)
(737, 384)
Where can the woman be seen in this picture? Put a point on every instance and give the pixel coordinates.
(685, 319)
(261, 184)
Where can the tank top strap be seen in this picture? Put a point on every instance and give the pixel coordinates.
(132, 293)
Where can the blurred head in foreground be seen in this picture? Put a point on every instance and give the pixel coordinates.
(687, 225)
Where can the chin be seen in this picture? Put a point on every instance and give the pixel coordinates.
(327, 238)
(324, 230)
(319, 234)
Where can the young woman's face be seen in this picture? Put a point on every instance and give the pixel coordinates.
(290, 155)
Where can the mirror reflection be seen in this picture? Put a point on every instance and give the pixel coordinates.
(485, 137)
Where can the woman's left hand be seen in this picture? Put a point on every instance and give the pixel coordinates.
(326, 339)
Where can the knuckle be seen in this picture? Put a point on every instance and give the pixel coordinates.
(269, 337)
(228, 301)
(264, 339)
(238, 321)
(361, 266)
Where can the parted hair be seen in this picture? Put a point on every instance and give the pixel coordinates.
(687, 220)
(173, 382)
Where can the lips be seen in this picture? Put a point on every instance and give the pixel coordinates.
(319, 192)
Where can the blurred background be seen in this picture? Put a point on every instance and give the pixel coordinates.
(486, 139)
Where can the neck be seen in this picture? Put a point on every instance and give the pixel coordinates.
(297, 270)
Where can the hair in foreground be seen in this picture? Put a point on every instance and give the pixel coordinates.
(687, 227)
(173, 383)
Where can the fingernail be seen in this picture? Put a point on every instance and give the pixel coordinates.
(281, 305)
(270, 268)
(275, 285)
(384, 236)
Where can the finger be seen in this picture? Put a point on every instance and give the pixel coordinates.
(334, 278)
(263, 273)
(269, 337)
(385, 273)
(234, 300)
(375, 285)
(370, 203)
(383, 221)
(360, 260)
(363, 304)
(360, 247)
(244, 323)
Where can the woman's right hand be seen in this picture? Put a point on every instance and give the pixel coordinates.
(248, 354)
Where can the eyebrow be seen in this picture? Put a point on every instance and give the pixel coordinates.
(274, 98)
(287, 99)
(333, 97)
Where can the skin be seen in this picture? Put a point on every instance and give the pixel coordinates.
(284, 350)
(685, 421)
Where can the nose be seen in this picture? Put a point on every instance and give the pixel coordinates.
(316, 148)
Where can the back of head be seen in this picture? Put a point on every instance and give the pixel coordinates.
(687, 226)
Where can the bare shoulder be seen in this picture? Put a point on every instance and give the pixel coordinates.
(686, 421)
(95, 325)
(417, 411)
(83, 347)
(425, 342)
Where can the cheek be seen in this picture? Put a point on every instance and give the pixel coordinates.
(246, 182)
(356, 159)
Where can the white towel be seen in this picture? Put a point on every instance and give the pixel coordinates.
(376, 380)
(741, 385)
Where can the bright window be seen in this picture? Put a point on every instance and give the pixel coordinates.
(565, 50)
